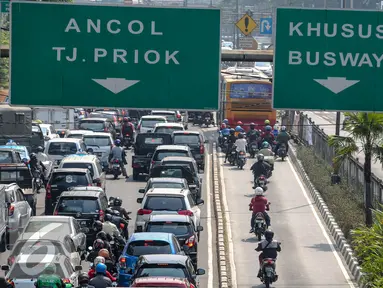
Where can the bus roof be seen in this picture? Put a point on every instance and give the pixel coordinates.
(247, 80)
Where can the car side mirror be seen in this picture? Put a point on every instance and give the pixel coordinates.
(200, 271)
(199, 228)
(78, 268)
(200, 180)
(141, 191)
(149, 155)
(5, 267)
(139, 200)
(200, 202)
(206, 141)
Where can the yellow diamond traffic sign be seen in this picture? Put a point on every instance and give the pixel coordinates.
(246, 24)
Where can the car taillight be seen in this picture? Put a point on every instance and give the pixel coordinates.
(127, 135)
(190, 241)
(122, 226)
(185, 212)
(202, 149)
(98, 182)
(11, 210)
(178, 116)
(48, 194)
(144, 212)
(101, 215)
(122, 262)
(116, 161)
(11, 260)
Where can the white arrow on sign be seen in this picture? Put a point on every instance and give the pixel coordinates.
(336, 84)
(116, 85)
(265, 24)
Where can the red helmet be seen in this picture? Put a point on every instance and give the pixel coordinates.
(239, 123)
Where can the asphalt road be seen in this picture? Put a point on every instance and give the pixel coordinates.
(308, 258)
(127, 190)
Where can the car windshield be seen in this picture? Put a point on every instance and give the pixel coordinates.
(97, 141)
(62, 148)
(96, 126)
(165, 203)
(36, 129)
(6, 157)
(170, 227)
(162, 271)
(27, 270)
(151, 123)
(78, 205)
(186, 139)
(80, 165)
(36, 226)
(138, 248)
(103, 115)
(40, 247)
(162, 154)
(168, 130)
(167, 185)
(72, 179)
(45, 130)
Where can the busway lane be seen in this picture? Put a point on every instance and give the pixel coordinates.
(308, 258)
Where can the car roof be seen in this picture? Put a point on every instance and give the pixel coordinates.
(99, 134)
(80, 132)
(142, 236)
(187, 132)
(45, 125)
(80, 194)
(169, 124)
(165, 259)
(59, 219)
(66, 140)
(148, 117)
(163, 191)
(70, 170)
(8, 149)
(160, 280)
(86, 188)
(164, 111)
(170, 217)
(30, 258)
(167, 180)
(79, 158)
(172, 147)
(178, 158)
(15, 147)
(95, 119)
(44, 236)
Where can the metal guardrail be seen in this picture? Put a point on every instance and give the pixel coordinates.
(351, 170)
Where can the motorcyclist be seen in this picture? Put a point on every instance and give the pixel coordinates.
(112, 230)
(92, 271)
(267, 135)
(98, 244)
(36, 164)
(266, 149)
(259, 204)
(240, 129)
(230, 143)
(100, 280)
(116, 220)
(269, 248)
(240, 144)
(260, 167)
(11, 143)
(108, 260)
(104, 237)
(253, 134)
(49, 278)
(41, 156)
(117, 205)
(224, 131)
(83, 281)
(275, 131)
(282, 137)
(209, 114)
(267, 123)
(127, 127)
(118, 153)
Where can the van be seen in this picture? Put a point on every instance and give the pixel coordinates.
(59, 148)
(148, 122)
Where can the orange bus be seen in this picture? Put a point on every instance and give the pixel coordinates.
(246, 99)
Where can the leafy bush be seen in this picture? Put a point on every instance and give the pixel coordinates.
(340, 200)
(367, 243)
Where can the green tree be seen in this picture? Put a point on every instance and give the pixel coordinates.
(366, 129)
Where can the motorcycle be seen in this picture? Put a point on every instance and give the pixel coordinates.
(268, 275)
(232, 155)
(128, 141)
(261, 182)
(197, 120)
(116, 168)
(207, 121)
(259, 226)
(282, 151)
(241, 160)
(37, 182)
(253, 149)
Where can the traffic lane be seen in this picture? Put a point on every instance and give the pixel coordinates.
(306, 259)
(127, 190)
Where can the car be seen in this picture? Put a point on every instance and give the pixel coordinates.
(49, 131)
(164, 183)
(77, 133)
(65, 225)
(182, 227)
(168, 127)
(179, 266)
(61, 180)
(86, 206)
(14, 169)
(167, 201)
(22, 150)
(19, 210)
(38, 138)
(171, 116)
(98, 125)
(101, 143)
(162, 282)
(195, 140)
(112, 115)
(163, 151)
(90, 162)
(148, 122)
(144, 244)
(79, 113)
(27, 268)
(58, 148)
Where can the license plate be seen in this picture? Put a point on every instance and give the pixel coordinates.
(269, 270)
(261, 183)
(254, 146)
(241, 156)
(116, 166)
(233, 152)
(8, 175)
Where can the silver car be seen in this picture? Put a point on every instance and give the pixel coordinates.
(101, 144)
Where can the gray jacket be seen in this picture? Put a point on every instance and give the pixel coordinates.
(100, 281)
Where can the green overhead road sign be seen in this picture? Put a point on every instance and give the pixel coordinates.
(328, 60)
(4, 6)
(114, 56)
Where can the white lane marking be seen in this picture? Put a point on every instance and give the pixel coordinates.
(210, 271)
(233, 270)
(325, 234)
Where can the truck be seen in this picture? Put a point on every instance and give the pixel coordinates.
(60, 118)
(144, 147)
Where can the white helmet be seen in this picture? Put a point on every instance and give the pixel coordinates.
(258, 191)
(99, 259)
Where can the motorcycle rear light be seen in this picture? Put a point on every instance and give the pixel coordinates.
(262, 178)
(11, 210)
(122, 226)
(202, 149)
(190, 241)
(101, 215)
(185, 212)
(127, 135)
(270, 262)
(48, 190)
(116, 161)
(122, 262)
(66, 280)
(144, 212)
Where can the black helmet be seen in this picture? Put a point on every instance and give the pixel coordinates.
(33, 156)
(240, 136)
(232, 131)
(108, 217)
(98, 244)
(117, 202)
(269, 235)
(102, 235)
(40, 149)
(252, 125)
(260, 157)
(98, 225)
(109, 211)
(83, 278)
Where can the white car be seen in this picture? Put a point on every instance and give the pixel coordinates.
(168, 128)
(57, 149)
(77, 133)
(101, 144)
(167, 201)
(49, 132)
(148, 122)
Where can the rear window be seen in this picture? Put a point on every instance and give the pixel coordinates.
(167, 185)
(186, 139)
(78, 205)
(163, 271)
(111, 115)
(6, 157)
(72, 179)
(79, 165)
(165, 203)
(97, 126)
(151, 123)
(170, 227)
(97, 141)
(154, 141)
(168, 130)
(62, 148)
(138, 248)
(163, 153)
(38, 247)
(172, 173)
(25, 270)
(35, 226)
(169, 117)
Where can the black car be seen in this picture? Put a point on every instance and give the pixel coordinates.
(168, 265)
(182, 227)
(13, 169)
(196, 143)
(85, 206)
(61, 180)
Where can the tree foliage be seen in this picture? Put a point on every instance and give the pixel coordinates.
(4, 62)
